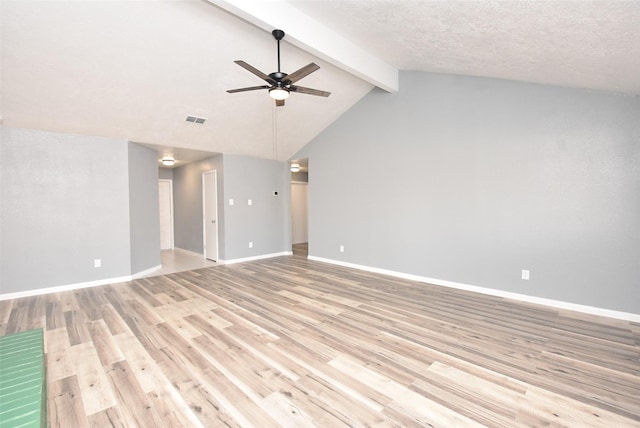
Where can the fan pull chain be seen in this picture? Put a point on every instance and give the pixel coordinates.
(275, 133)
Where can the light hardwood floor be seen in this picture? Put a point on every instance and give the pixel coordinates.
(290, 342)
(179, 260)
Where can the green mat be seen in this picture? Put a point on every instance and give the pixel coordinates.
(23, 400)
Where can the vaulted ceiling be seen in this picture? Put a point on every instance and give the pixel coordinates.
(134, 70)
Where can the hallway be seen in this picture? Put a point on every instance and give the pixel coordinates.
(179, 260)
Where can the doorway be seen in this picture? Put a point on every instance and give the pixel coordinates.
(299, 213)
(210, 214)
(165, 198)
(300, 207)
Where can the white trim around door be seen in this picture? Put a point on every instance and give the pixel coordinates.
(210, 215)
(165, 191)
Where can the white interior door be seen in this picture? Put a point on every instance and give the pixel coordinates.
(165, 193)
(210, 215)
(299, 213)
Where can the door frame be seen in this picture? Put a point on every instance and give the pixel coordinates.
(299, 183)
(170, 181)
(204, 212)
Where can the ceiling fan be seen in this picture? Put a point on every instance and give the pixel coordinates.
(281, 84)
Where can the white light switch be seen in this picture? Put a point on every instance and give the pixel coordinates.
(525, 274)
(250, 244)
(97, 263)
(249, 202)
(230, 201)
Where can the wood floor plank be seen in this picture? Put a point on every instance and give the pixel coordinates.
(238, 399)
(403, 398)
(55, 315)
(149, 375)
(208, 405)
(111, 417)
(559, 410)
(482, 400)
(113, 320)
(340, 404)
(68, 301)
(95, 390)
(64, 404)
(320, 368)
(76, 323)
(291, 342)
(60, 363)
(107, 349)
(134, 404)
(5, 311)
(90, 301)
(56, 340)
(173, 409)
(18, 320)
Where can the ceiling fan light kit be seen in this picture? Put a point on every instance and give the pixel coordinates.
(279, 93)
(281, 84)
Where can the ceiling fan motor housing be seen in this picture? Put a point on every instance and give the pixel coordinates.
(280, 78)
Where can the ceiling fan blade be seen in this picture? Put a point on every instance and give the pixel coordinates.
(309, 91)
(279, 103)
(303, 72)
(255, 71)
(252, 88)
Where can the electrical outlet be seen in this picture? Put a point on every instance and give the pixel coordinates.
(250, 244)
(342, 248)
(525, 274)
(97, 263)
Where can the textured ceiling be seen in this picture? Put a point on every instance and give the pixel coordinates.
(135, 69)
(587, 44)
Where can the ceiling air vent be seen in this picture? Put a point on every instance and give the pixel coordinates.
(196, 119)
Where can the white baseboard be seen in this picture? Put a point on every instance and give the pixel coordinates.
(483, 290)
(260, 257)
(490, 291)
(76, 286)
(68, 287)
(146, 272)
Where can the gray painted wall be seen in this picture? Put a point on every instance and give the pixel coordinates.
(472, 180)
(165, 173)
(144, 216)
(265, 221)
(187, 204)
(64, 203)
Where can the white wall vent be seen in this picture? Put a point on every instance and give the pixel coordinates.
(196, 119)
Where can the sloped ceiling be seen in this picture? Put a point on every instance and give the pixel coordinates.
(134, 70)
